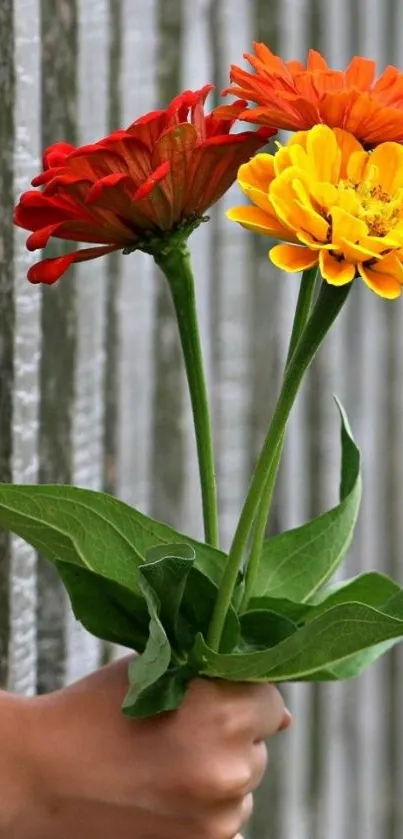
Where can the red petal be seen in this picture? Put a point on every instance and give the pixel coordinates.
(36, 210)
(56, 154)
(48, 271)
(46, 176)
(158, 175)
(115, 179)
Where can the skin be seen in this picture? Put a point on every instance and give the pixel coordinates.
(71, 765)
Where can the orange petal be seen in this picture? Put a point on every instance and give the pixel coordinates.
(385, 278)
(334, 271)
(293, 257)
(254, 219)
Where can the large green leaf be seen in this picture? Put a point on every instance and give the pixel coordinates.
(321, 644)
(166, 571)
(148, 668)
(296, 563)
(107, 609)
(93, 530)
(263, 628)
(372, 589)
(197, 608)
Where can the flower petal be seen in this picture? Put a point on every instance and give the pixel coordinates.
(335, 271)
(385, 277)
(256, 220)
(293, 257)
(49, 270)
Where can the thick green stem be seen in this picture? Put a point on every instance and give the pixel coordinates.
(302, 312)
(175, 262)
(328, 306)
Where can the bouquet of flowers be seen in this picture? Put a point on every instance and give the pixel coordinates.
(332, 195)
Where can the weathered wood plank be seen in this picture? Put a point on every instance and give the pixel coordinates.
(27, 341)
(7, 314)
(136, 296)
(83, 650)
(59, 98)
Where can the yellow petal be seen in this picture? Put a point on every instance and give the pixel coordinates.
(357, 253)
(252, 218)
(258, 197)
(356, 166)
(347, 144)
(291, 155)
(385, 278)
(346, 227)
(310, 242)
(292, 258)
(334, 271)
(387, 159)
(324, 153)
(325, 195)
(258, 172)
(348, 201)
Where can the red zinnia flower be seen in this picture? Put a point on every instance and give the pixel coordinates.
(135, 186)
(288, 95)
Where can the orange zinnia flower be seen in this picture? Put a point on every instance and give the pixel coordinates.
(290, 96)
(135, 187)
(332, 204)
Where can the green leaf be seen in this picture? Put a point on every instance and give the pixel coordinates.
(372, 589)
(166, 570)
(148, 668)
(107, 609)
(355, 664)
(294, 612)
(93, 530)
(331, 638)
(296, 563)
(196, 609)
(166, 694)
(263, 628)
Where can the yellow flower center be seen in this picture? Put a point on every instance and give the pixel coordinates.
(380, 210)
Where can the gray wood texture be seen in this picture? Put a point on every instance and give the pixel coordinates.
(92, 391)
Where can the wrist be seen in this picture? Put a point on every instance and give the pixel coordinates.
(19, 803)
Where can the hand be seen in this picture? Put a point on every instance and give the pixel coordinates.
(188, 773)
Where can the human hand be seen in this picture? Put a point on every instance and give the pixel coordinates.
(187, 773)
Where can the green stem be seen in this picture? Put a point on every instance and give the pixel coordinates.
(302, 312)
(175, 262)
(328, 306)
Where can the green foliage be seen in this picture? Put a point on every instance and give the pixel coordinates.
(136, 582)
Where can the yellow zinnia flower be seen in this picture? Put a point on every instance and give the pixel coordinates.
(333, 204)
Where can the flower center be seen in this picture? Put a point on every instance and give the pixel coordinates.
(380, 210)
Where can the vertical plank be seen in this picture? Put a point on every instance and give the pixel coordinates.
(372, 326)
(197, 69)
(168, 456)
(27, 338)
(231, 302)
(394, 520)
(294, 486)
(83, 650)
(136, 300)
(59, 62)
(7, 314)
(113, 265)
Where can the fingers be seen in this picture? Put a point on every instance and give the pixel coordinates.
(271, 715)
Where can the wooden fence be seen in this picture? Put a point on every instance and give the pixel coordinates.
(91, 388)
